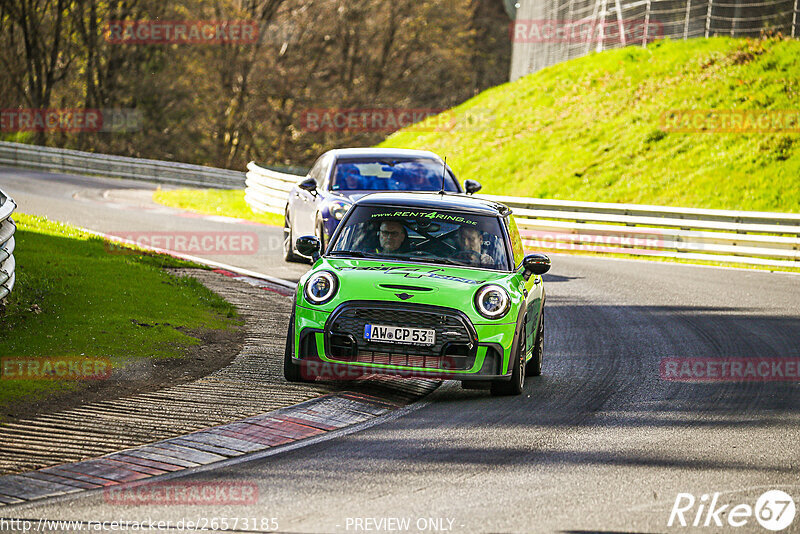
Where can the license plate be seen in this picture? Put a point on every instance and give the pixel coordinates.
(399, 334)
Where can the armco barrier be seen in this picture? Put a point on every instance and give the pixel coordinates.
(727, 236)
(756, 238)
(268, 190)
(76, 162)
(7, 229)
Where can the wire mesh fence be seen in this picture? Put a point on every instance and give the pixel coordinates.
(548, 32)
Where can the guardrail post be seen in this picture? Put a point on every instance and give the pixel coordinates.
(685, 20)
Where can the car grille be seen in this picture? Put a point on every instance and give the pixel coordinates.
(455, 338)
(447, 362)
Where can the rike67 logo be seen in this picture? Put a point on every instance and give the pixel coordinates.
(774, 510)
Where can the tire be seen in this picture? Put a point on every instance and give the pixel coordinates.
(291, 371)
(288, 246)
(534, 367)
(517, 382)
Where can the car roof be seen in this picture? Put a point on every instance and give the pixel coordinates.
(344, 153)
(426, 200)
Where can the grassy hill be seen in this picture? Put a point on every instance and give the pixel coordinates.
(591, 128)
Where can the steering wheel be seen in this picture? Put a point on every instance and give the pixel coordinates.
(469, 256)
(422, 253)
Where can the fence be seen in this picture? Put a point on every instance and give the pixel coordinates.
(756, 238)
(546, 33)
(76, 162)
(7, 228)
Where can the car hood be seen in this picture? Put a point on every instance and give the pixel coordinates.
(415, 283)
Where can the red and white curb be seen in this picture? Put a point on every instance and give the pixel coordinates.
(258, 282)
(244, 440)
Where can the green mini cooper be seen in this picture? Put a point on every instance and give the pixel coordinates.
(420, 285)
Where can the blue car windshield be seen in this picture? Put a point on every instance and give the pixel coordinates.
(423, 235)
(370, 174)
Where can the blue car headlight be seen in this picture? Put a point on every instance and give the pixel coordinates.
(338, 208)
(321, 287)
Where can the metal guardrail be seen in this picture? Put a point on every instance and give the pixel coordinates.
(267, 190)
(7, 228)
(77, 162)
(727, 236)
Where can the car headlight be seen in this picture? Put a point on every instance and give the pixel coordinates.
(321, 287)
(492, 301)
(338, 209)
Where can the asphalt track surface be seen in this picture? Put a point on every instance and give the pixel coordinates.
(122, 207)
(600, 442)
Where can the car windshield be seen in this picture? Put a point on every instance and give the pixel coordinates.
(441, 237)
(370, 174)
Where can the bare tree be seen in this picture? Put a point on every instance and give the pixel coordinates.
(39, 32)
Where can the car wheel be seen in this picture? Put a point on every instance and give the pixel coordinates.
(291, 371)
(288, 249)
(534, 367)
(517, 382)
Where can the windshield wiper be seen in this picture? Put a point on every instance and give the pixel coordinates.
(354, 253)
(448, 261)
(423, 259)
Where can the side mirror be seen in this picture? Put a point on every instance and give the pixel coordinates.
(309, 184)
(533, 264)
(472, 187)
(309, 246)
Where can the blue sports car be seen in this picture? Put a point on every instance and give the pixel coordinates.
(340, 177)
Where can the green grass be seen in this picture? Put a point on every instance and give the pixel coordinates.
(229, 203)
(590, 129)
(96, 304)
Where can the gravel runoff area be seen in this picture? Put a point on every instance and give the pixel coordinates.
(250, 385)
